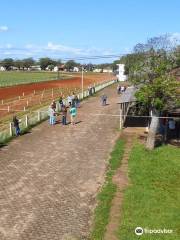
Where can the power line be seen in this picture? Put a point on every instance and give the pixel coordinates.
(95, 57)
(97, 114)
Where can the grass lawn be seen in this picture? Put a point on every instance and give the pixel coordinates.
(9, 78)
(152, 200)
(107, 193)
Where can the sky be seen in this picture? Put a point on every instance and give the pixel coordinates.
(70, 29)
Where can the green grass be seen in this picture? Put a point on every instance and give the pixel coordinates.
(106, 194)
(9, 78)
(153, 198)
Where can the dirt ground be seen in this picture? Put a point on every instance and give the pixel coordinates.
(50, 177)
(129, 134)
(18, 90)
(17, 98)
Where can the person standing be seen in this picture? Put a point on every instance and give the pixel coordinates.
(73, 97)
(103, 99)
(60, 102)
(16, 125)
(53, 105)
(118, 89)
(64, 114)
(172, 127)
(52, 115)
(122, 89)
(76, 101)
(73, 113)
(69, 98)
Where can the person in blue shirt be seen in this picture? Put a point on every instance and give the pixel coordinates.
(52, 115)
(73, 113)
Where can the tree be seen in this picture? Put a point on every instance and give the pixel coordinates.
(69, 65)
(7, 63)
(114, 65)
(149, 67)
(158, 95)
(177, 56)
(89, 67)
(28, 62)
(51, 67)
(19, 64)
(45, 62)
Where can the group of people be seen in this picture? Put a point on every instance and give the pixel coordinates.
(91, 90)
(121, 89)
(73, 104)
(72, 100)
(63, 109)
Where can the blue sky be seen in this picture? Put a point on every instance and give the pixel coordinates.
(72, 28)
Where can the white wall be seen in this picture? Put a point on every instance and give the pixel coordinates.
(121, 69)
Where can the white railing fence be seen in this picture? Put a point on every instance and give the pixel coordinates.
(34, 117)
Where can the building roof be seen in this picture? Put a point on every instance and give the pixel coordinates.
(128, 95)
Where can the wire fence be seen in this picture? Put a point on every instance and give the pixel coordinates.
(29, 119)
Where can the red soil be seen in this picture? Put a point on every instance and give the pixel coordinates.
(10, 92)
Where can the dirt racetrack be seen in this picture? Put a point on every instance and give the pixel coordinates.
(18, 90)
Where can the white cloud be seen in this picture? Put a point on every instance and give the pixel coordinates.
(175, 38)
(52, 50)
(4, 28)
(62, 48)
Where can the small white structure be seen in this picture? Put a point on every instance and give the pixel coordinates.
(97, 70)
(56, 69)
(107, 70)
(121, 76)
(2, 69)
(35, 68)
(15, 68)
(75, 69)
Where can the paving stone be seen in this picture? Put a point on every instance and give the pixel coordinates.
(49, 179)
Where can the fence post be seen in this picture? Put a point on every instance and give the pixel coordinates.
(26, 120)
(120, 117)
(39, 116)
(34, 92)
(2, 101)
(10, 129)
(8, 109)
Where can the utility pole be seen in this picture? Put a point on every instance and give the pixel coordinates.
(82, 82)
(58, 73)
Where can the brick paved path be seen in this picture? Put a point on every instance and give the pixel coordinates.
(50, 177)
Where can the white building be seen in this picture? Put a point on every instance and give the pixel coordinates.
(121, 76)
(56, 69)
(35, 68)
(2, 68)
(97, 70)
(75, 69)
(107, 70)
